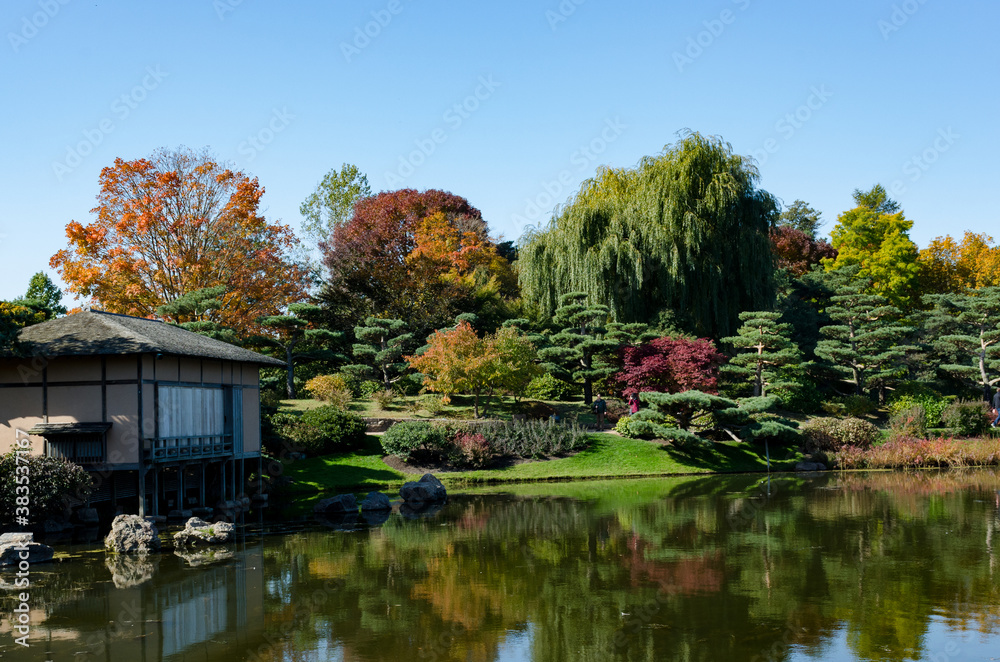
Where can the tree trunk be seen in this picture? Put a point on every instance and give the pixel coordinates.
(290, 370)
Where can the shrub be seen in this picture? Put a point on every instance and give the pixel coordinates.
(909, 422)
(615, 409)
(626, 428)
(56, 486)
(533, 439)
(969, 418)
(332, 389)
(547, 387)
(831, 434)
(432, 404)
(384, 398)
(932, 404)
(799, 395)
(368, 388)
(325, 430)
(907, 452)
(415, 437)
(534, 409)
(471, 449)
(858, 405)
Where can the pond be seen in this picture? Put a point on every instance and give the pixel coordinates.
(879, 566)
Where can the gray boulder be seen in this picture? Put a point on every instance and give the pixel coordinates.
(199, 532)
(18, 547)
(426, 490)
(810, 466)
(376, 501)
(342, 503)
(131, 534)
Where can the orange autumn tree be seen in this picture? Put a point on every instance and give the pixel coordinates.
(459, 361)
(176, 223)
(947, 266)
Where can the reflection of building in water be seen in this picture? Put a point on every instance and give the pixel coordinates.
(211, 612)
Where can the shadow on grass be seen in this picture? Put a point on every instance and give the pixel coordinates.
(724, 457)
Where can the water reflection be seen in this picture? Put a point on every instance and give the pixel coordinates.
(880, 566)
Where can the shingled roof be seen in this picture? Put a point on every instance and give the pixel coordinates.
(95, 333)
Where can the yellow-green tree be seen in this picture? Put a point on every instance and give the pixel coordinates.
(875, 236)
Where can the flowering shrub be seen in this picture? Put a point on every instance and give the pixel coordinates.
(907, 452)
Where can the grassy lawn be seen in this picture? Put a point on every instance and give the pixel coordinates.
(608, 456)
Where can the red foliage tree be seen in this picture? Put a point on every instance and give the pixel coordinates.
(670, 365)
(795, 251)
(387, 259)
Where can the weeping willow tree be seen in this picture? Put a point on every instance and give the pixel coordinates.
(681, 237)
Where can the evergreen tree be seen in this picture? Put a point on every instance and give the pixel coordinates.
(197, 311)
(379, 351)
(684, 233)
(575, 352)
(863, 341)
(965, 330)
(298, 337)
(42, 296)
(763, 345)
(802, 217)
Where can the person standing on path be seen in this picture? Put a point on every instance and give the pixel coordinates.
(600, 408)
(996, 407)
(633, 403)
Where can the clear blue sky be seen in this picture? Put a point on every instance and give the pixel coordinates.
(829, 96)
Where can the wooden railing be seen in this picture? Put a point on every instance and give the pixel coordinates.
(168, 449)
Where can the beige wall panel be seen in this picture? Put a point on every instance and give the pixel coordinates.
(251, 420)
(74, 369)
(20, 409)
(122, 367)
(74, 404)
(212, 371)
(168, 369)
(26, 371)
(251, 374)
(227, 372)
(123, 414)
(190, 370)
(147, 366)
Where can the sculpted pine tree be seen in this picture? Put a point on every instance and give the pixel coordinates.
(685, 232)
(298, 336)
(763, 345)
(965, 330)
(380, 350)
(574, 355)
(198, 312)
(863, 342)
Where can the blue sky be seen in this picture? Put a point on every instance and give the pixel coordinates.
(509, 104)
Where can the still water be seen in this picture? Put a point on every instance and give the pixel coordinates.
(881, 566)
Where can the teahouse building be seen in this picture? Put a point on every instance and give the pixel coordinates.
(161, 417)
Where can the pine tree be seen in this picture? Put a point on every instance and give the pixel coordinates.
(575, 352)
(42, 296)
(763, 345)
(298, 336)
(965, 330)
(863, 342)
(379, 351)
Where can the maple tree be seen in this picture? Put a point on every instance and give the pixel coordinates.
(419, 256)
(176, 223)
(796, 251)
(670, 365)
(459, 361)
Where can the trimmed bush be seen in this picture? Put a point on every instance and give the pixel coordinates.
(547, 387)
(831, 434)
(332, 389)
(969, 418)
(415, 437)
(326, 430)
(56, 487)
(858, 405)
(626, 428)
(471, 449)
(368, 388)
